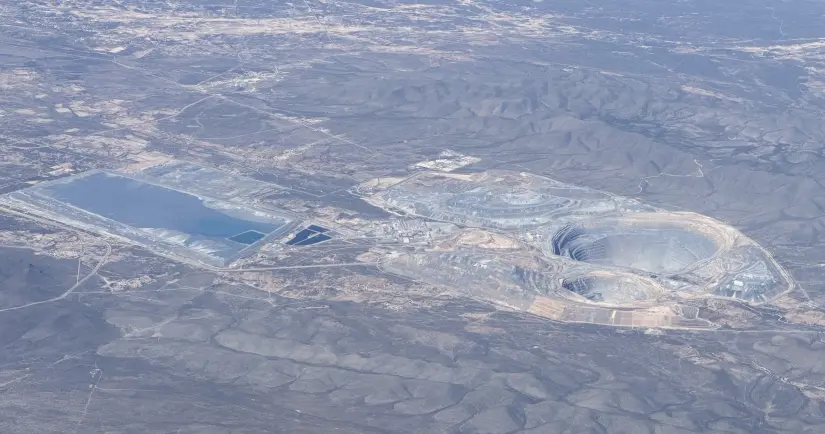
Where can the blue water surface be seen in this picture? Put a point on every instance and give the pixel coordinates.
(144, 205)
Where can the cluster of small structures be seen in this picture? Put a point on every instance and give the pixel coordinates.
(448, 161)
(414, 231)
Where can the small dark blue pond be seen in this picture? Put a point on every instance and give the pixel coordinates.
(314, 240)
(311, 235)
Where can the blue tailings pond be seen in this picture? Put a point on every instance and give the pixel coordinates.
(143, 205)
